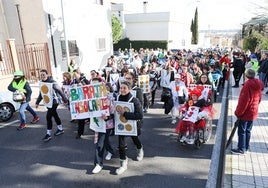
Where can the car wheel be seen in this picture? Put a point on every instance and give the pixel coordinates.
(6, 112)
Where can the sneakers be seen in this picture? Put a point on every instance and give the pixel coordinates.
(237, 151)
(47, 138)
(173, 121)
(22, 126)
(108, 156)
(140, 154)
(97, 169)
(35, 119)
(58, 132)
(123, 167)
(183, 139)
(190, 141)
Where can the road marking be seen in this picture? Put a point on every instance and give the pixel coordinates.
(2, 125)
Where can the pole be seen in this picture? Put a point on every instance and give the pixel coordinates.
(52, 41)
(65, 36)
(21, 29)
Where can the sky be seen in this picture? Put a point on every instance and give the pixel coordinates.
(212, 14)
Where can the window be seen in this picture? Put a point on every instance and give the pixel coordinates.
(73, 49)
(100, 44)
(99, 2)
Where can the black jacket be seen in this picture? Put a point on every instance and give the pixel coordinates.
(138, 112)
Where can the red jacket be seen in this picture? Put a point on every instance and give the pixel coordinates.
(249, 100)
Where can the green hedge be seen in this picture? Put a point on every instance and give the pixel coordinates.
(126, 44)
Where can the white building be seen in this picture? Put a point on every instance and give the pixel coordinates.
(154, 26)
(86, 24)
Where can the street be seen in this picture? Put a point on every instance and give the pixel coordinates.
(26, 161)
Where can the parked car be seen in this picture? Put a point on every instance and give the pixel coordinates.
(7, 106)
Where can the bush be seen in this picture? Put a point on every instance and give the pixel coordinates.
(255, 40)
(126, 44)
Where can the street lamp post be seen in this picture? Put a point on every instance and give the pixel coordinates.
(19, 18)
(65, 37)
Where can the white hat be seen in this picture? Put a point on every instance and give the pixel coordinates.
(178, 76)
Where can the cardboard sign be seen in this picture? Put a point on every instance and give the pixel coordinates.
(206, 90)
(114, 79)
(191, 114)
(46, 90)
(97, 124)
(122, 125)
(143, 82)
(89, 101)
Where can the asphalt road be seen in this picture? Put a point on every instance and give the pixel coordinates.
(27, 162)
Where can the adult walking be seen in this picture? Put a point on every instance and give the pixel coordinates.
(137, 115)
(20, 83)
(263, 70)
(247, 110)
(239, 68)
(179, 96)
(52, 111)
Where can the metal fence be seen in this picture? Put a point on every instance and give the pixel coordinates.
(6, 62)
(31, 58)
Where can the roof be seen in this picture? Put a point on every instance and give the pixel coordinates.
(255, 21)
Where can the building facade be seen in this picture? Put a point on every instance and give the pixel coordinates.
(85, 25)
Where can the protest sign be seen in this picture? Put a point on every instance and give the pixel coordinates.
(122, 125)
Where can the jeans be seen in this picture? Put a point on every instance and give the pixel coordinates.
(244, 133)
(102, 144)
(25, 106)
(262, 77)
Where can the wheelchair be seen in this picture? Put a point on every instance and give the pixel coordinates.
(202, 133)
(202, 128)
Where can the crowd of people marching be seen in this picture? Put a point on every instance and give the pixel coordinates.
(185, 78)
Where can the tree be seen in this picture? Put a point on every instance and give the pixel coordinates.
(194, 28)
(116, 29)
(255, 40)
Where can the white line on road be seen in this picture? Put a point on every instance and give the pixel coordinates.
(2, 125)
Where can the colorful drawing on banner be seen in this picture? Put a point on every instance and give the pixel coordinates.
(191, 114)
(46, 90)
(97, 124)
(89, 101)
(206, 90)
(122, 125)
(143, 82)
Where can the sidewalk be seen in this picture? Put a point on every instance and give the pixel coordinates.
(251, 169)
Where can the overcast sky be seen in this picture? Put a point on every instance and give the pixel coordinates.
(213, 14)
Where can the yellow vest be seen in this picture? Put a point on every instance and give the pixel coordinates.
(255, 65)
(20, 85)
